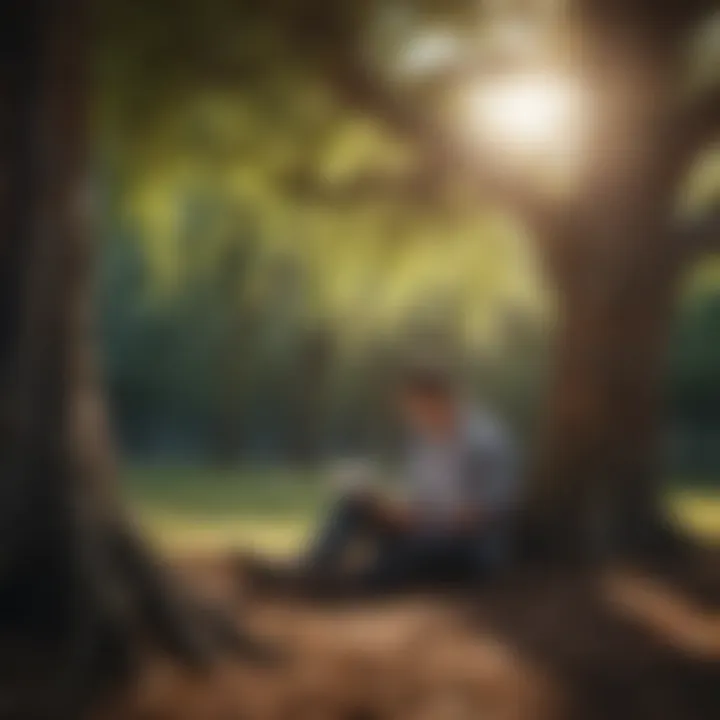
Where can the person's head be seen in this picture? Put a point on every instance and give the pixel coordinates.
(426, 398)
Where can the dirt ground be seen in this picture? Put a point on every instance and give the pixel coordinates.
(624, 645)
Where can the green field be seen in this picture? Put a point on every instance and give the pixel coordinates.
(202, 509)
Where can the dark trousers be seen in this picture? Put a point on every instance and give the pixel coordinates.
(421, 555)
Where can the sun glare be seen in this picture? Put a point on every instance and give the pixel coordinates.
(531, 115)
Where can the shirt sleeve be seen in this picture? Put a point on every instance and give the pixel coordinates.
(492, 470)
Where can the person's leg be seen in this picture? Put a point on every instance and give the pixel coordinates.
(391, 567)
(351, 518)
(404, 561)
(430, 558)
(490, 553)
(440, 558)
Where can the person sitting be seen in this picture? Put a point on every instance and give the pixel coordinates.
(458, 492)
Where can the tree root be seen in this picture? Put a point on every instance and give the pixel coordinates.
(668, 614)
(86, 628)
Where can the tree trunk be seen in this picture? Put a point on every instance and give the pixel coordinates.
(77, 588)
(595, 490)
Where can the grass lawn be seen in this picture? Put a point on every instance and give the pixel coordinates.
(273, 510)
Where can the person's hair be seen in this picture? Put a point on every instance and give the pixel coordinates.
(427, 379)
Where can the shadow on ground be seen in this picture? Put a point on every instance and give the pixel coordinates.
(624, 643)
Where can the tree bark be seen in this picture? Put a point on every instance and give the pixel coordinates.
(595, 489)
(79, 592)
(616, 263)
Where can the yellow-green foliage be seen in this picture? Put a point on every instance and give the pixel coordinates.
(194, 115)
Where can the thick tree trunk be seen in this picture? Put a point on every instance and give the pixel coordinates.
(78, 591)
(615, 262)
(595, 490)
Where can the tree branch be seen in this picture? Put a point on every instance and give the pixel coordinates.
(705, 119)
(701, 235)
(337, 53)
(697, 127)
(664, 23)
